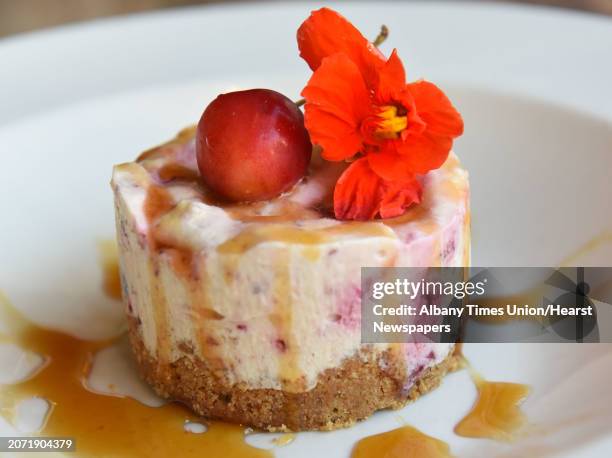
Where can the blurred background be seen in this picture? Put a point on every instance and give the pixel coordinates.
(25, 15)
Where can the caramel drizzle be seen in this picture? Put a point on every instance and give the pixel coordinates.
(496, 413)
(105, 425)
(205, 315)
(254, 235)
(175, 171)
(282, 319)
(404, 442)
(158, 201)
(284, 211)
(417, 214)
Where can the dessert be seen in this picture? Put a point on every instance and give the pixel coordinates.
(249, 312)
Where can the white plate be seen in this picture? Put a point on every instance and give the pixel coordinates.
(532, 84)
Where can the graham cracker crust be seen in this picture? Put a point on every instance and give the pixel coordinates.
(342, 396)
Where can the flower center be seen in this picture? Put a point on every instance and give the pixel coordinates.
(393, 120)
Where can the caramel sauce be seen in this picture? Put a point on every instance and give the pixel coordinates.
(360, 229)
(109, 261)
(496, 414)
(160, 311)
(312, 253)
(151, 154)
(205, 314)
(158, 202)
(194, 277)
(174, 171)
(415, 213)
(458, 352)
(281, 317)
(105, 425)
(404, 442)
(253, 235)
(286, 211)
(182, 261)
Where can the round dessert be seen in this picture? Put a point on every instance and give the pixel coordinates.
(250, 313)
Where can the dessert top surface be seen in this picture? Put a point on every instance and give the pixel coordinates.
(163, 189)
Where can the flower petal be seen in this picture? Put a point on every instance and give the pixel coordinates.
(358, 192)
(391, 166)
(326, 33)
(425, 152)
(398, 196)
(433, 123)
(390, 79)
(336, 101)
(435, 109)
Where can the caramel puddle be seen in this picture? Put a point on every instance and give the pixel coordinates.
(496, 414)
(404, 442)
(109, 425)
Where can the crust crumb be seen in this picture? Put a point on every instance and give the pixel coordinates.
(342, 396)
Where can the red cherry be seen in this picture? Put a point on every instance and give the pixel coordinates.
(252, 145)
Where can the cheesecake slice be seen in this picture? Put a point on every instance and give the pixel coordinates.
(250, 313)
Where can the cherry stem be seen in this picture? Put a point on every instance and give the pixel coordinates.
(380, 39)
(382, 36)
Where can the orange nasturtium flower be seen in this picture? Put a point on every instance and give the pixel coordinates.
(360, 109)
